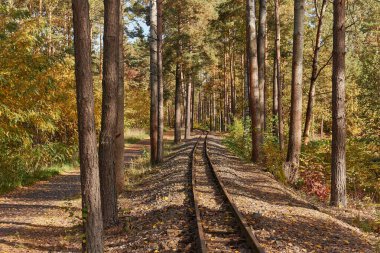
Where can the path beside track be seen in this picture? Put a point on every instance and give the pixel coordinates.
(44, 217)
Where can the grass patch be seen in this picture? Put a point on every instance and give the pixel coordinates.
(140, 167)
(133, 136)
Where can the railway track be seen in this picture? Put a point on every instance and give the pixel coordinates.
(220, 225)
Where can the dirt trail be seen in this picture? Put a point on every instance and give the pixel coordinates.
(45, 217)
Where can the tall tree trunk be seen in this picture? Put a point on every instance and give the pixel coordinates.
(199, 108)
(275, 98)
(295, 131)
(338, 158)
(178, 84)
(153, 83)
(40, 9)
(188, 108)
(100, 56)
(50, 31)
(225, 90)
(160, 137)
(279, 81)
(232, 81)
(119, 142)
(213, 111)
(261, 59)
(109, 111)
(89, 167)
(254, 83)
(314, 72)
(192, 107)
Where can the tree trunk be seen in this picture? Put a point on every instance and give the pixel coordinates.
(192, 107)
(160, 137)
(40, 9)
(338, 158)
(225, 90)
(153, 83)
(254, 83)
(89, 167)
(232, 81)
(178, 84)
(279, 81)
(188, 109)
(199, 108)
(321, 129)
(261, 59)
(275, 98)
(314, 73)
(50, 31)
(295, 131)
(119, 142)
(109, 111)
(100, 56)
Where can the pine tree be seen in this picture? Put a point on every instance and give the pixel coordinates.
(89, 168)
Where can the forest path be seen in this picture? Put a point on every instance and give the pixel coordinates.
(45, 216)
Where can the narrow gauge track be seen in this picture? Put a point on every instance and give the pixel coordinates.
(220, 225)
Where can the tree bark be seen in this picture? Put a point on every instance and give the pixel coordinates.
(254, 83)
(119, 142)
(192, 107)
(178, 84)
(314, 73)
(109, 111)
(279, 81)
(232, 82)
(225, 119)
(153, 83)
(160, 137)
(88, 156)
(100, 56)
(275, 98)
(261, 59)
(188, 109)
(338, 159)
(295, 131)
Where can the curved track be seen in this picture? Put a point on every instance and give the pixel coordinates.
(220, 225)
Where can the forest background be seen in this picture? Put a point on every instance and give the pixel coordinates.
(38, 121)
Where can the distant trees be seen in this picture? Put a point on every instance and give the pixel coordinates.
(90, 185)
(315, 70)
(338, 145)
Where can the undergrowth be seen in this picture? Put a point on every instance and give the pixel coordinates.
(363, 163)
(28, 164)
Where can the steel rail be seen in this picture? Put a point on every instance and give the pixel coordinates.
(250, 237)
(201, 241)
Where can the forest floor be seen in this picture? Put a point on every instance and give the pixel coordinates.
(156, 210)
